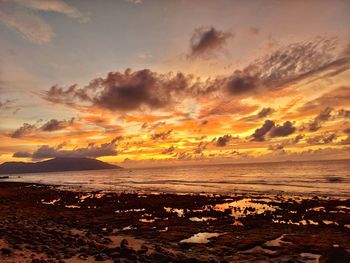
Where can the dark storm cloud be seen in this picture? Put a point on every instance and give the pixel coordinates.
(323, 116)
(259, 134)
(242, 82)
(282, 130)
(234, 152)
(326, 114)
(269, 128)
(263, 113)
(344, 113)
(206, 40)
(152, 126)
(298, 138)
(276, 147)
(92, 150)
(201, 147)
(346, 141)
(169, 150)
(55, 125)
(321, 139)
(315, 125)
(161, 135)
(129, 91)
(128, 96)
(183, 156)
(288, 142)
(25, 130)
(222, 141)
(51, 125)
(22, 155)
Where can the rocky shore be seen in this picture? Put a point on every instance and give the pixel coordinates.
(40, 223)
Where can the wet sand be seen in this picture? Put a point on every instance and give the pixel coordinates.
(40, 223)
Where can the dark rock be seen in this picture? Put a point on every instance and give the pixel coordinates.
(132, 257)
(122, 260)
(158, 248)
(142, 250)
(5, 251)
(126, 251)
(124, 243)
(81, 242)
(83, 256)
(184, 246)
(159, 257)
(106, 241)
(194, 260)
(114, 255)
(335, 255)
(101, 257)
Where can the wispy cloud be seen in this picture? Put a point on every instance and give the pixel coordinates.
(136, 2)
(29, 25)
(308, 60)
(53, 6)
(21, 16)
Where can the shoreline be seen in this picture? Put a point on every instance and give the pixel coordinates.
(44, 222)
(85, 188)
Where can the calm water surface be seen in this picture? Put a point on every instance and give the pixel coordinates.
(317, 177)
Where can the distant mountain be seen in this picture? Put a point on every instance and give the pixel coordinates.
(55, 165)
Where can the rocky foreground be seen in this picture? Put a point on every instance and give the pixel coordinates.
(44, 224)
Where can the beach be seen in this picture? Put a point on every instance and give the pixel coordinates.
(45, 223)
(174, 131)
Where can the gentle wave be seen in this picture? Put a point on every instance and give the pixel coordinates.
(324, 178)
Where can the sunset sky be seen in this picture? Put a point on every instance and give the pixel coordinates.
(144, 83)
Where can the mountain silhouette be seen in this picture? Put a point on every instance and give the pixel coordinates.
(55, 165)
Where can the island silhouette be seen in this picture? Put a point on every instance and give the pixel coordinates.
(58, 164)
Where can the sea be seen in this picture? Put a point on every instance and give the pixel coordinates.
(323, 178)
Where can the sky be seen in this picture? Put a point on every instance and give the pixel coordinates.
(148, 83)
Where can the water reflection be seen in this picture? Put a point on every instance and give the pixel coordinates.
(200, 238)
(244, 207)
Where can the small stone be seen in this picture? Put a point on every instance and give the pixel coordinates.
(124, 243)
(114, 255)
(142, 250)
(184, 246)
(106, 241)
(5, 251)
(101, 257)
(82, 256)
(81, 242)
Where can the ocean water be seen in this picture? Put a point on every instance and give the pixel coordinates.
(314, 178)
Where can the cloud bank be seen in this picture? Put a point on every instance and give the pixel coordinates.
(92, 150)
